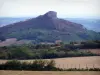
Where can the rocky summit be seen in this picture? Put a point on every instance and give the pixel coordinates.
(51, 14)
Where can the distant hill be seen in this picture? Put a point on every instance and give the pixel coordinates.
(9, 20)
(91, 24)
(48, 28)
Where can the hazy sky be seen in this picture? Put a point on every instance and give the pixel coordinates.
(64, 8)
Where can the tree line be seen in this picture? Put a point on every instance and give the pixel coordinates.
(38, 65)
(44, 51)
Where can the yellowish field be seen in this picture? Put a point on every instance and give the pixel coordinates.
(74, 62)
(49, 73)
(79, 62)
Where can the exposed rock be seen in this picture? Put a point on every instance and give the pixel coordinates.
(51, 14)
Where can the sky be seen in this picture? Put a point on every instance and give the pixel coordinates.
(64, 8)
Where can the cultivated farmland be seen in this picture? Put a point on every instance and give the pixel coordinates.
(74, 62)
(49, 73)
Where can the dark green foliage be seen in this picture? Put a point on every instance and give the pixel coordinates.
(42, 51)
(21, 52)
(15, 65)
(50, 65)
(91, 44)
(38, 65)
(82, 69)
(2, 38)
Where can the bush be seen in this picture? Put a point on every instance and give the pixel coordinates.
(37, 65)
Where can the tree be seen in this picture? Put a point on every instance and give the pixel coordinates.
(2, 38)
(50, 65)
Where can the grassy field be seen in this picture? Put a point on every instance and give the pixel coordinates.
(49, 73)
(74, 62)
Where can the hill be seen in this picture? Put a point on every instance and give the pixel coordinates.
(91, 24)
(9, 20)
(48, 28)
